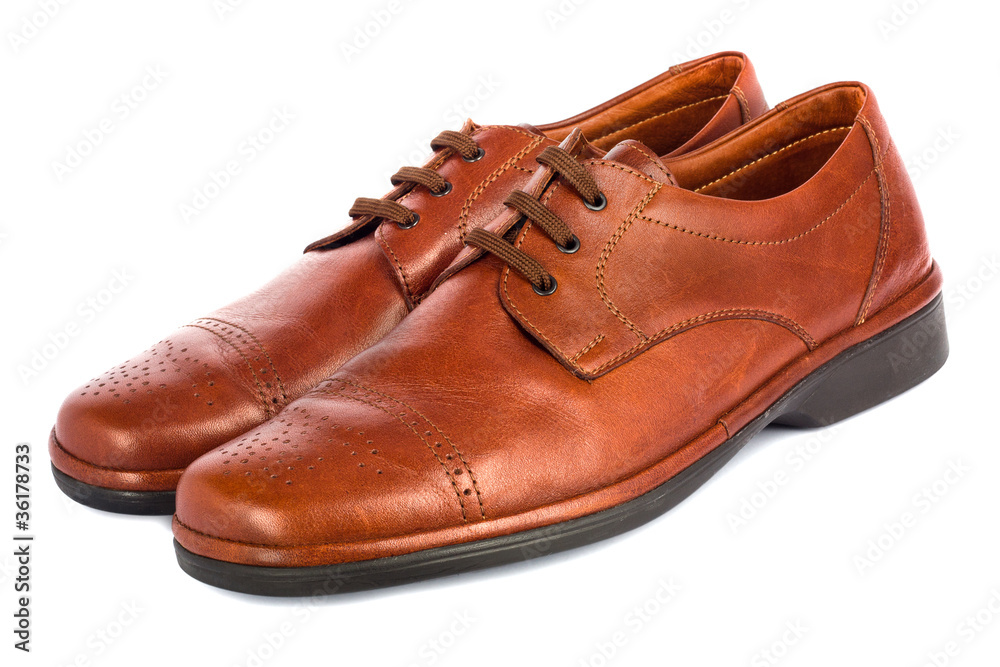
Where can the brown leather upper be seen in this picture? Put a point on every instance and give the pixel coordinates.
(708, 286)
(140, 424)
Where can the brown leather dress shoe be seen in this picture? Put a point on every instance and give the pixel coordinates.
(595, 355)
(122, 441)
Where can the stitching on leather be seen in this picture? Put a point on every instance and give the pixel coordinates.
(615, 165)
(524, 231)
(776, 318)
(670, 177)
(884, 224)
(588, 347)
(548, 196)
(714, 237)
(461, 456)
(513, 128)
(444, 466)
(399, 265)
(726, 314)
(780, 150)
(108, 468)
(435, 164)
(497, 173)
(524, 318)
(527, 171)
(506, 272)
(659, 115)
(606, 254)
(447, 153)
(267, 356)
(477, 253)
(260, 387)
(744, 105)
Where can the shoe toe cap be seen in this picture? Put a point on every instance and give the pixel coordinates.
(330, 479)
(156, 412)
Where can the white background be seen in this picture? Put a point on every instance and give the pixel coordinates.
(358, 118)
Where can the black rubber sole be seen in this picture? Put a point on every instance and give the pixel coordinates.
(857, 379)
(145, 503)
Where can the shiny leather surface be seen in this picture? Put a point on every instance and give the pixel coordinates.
(709, 285)
(138, 425)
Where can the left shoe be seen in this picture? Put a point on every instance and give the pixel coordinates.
(601, 349)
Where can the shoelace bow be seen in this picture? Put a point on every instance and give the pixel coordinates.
(386, 209)
(576, 175)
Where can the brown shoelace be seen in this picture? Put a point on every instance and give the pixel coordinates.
(576, 175)
(387, 209)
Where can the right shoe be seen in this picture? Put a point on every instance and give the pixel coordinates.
(604, 347)
(121, 441)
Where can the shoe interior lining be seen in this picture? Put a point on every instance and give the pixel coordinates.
(663, 116)
(776, 155)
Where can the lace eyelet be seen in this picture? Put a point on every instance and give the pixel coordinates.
(598, 205)
(411, 224)
(545, 292)
(574, 245)
(477, 157)
(445, 190)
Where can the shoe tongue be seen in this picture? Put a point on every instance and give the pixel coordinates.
(531, 128)
(577, 145)
(638, 156)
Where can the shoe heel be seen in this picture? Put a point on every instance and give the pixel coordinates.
(873, 371)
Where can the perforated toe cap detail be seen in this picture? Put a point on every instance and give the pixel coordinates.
(166, 406)
(330, 468)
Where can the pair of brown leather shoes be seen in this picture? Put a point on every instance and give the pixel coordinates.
(545, 336)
